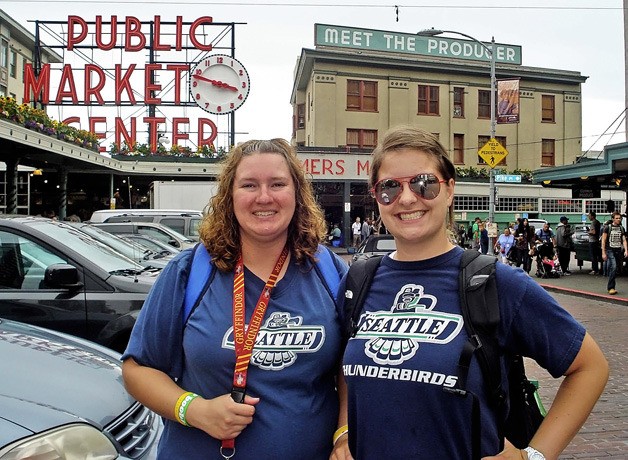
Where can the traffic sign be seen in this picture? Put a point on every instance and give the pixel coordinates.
(493, 153)
(508, 178)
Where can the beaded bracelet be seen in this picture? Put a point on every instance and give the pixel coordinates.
(340, 432)
(181, 408)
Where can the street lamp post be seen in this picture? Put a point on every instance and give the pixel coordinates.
(490, 50)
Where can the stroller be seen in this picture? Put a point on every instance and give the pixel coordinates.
(547, 265)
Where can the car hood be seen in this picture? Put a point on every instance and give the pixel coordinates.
(86, 383)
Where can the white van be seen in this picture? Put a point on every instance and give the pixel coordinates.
(184, 221)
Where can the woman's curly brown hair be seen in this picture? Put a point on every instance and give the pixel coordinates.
(220, 231)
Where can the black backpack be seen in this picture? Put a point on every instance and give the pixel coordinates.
(480, 310)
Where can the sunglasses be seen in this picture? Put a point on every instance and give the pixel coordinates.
(426, 186)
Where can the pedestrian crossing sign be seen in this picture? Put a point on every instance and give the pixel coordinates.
(493, 153)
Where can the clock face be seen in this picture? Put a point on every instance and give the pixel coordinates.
(219, 84)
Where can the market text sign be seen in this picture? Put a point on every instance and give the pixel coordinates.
(132, 82)
(335, 166)
(379, 40)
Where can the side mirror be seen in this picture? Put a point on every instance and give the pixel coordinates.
(62, 276)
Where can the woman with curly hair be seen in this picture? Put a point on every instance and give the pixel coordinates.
(246, 376)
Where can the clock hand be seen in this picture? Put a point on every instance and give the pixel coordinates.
(216, 82)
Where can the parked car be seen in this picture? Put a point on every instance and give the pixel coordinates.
(142, 255)
(55, 276)
(375, 245)
(184, 221)
(537, 223)
(62, 397)
(157, 231)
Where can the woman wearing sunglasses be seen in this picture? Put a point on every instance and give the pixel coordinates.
(410, 332)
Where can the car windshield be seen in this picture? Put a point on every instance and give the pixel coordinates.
(100, 254)
(128, 248)
(386, 245)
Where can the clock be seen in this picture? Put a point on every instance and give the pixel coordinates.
(219, 84)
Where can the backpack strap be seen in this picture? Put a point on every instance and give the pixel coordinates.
(480, 311)
(358, 282)
(327, 271)
(200, 275)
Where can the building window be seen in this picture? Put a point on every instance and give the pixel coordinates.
(300, 116)
(482, 140)
(548, 113)
(4, 54)
(548, 152)
(459, 102)
(362, 95)
(428, 100)
(459, 149)
(484, 104)
(13, 64)
(362, 138)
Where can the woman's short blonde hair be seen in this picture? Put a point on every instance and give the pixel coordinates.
(414, 138)
(219, 230)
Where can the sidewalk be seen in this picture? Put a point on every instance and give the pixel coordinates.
(579, 283)
(582, 284)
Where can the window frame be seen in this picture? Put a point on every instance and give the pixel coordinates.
(545, 154)
(484, 105)
(548, 111)
(430, 99)
(358, 98)
(458, 149)
(458, 99)
(361, 133)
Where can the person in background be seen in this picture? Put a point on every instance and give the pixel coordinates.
(546, 235)
(263, 229)
(524, 244)
(366, 229)
(393, 417)
(594, 244)
(484, 241)
(336, 234)
(614, 246)
(475, 243)
(564, 244)
(356, 230)
(504, 244)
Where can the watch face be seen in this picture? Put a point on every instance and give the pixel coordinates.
(219, 84)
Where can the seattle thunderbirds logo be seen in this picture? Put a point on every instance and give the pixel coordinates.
(279, 341)
(394, 336)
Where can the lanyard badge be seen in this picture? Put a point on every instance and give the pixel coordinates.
(244, 337)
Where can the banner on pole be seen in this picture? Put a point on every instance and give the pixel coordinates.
(508, 101)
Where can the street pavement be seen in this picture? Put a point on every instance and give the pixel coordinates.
(605, 433)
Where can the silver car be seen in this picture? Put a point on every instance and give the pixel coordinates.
(62, 397)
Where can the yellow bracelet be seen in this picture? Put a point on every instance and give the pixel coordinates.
(340, 432)
(181, 407)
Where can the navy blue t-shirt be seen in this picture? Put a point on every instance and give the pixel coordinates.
(292, 370)
(410, 336)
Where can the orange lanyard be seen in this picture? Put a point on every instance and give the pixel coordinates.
(244, 337)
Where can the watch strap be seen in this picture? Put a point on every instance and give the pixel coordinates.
(534, 454)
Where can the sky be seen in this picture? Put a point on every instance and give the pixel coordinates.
(578, 35)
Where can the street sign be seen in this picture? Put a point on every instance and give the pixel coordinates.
(508, 178)
(493, 153)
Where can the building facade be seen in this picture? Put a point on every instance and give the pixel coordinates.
(357, 83)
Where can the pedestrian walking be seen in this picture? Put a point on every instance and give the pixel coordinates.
(564, 244)
(356, 231)
(614, 248)
(594, 244)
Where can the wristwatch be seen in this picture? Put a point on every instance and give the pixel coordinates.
(534, 454)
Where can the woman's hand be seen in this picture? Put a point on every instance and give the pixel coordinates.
(341, 449)
(221, 417)
(510, 452)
